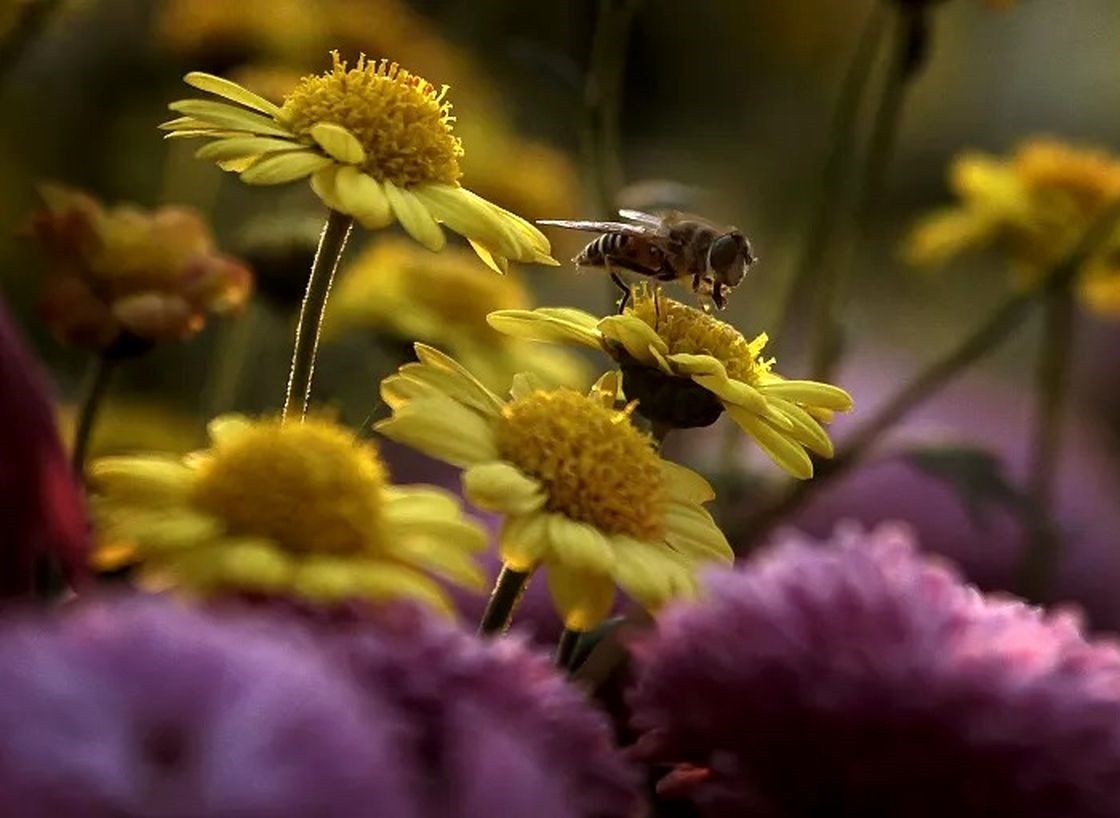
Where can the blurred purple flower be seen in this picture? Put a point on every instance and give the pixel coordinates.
(41, 507)
(142, 708)
(858, 679)
(495, 730)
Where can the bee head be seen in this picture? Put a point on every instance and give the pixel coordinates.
(729, 257)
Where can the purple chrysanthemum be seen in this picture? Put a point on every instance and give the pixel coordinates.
(857, 679)
(142, 708)
(494, 729)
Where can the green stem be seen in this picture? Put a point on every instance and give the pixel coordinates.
(841, 149)
(988, 335)
(824, 340)
(332, 243)
(29, 24)
(566, 648)
(231, 357)
(1041, 552)
(507, 592)
(95, 385)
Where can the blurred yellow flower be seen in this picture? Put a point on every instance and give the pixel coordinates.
(584, 493)
(132, 425)
(397, 289)
(128, 273)
(300, 509)
(685, 367)
(1034, 206)
(377, 143)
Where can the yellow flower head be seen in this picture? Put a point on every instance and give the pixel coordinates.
(376, 142)
(584, 492)
(301, 509)
(1034, 206)
(122, 274)
(401, 291)
(685, 367)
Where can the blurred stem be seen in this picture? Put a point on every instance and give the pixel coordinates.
(824, 339)
(233, 352)
(986, 337)
(30, 22)
(507, 592)
(95, 385)
(1041, 551)
(332, 243)
(841, 148)
(566, 648)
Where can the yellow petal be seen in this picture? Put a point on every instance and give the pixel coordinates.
(452, 386)
(431, 356)
(685, 484)
(231, 91)
(442, 429)
(220, 115)
(418, 503)
(583, 600)
(278, 168)
(810, 393)
(142, 479)
(608, 389)
(650, 572)
(185, 123)
(634, 334)
(686, 363)
(253, 564)
(361, 196)
(807, 431)
(785, 452)
(525, 383)
(578, 545)
(339, 143)
(540, 326)
(323, 183)
(165, 529)
(524, 541)
(224, 429)
(240, 147)
(461, 212)
(414, 217)
(732, 391)
(691, 531)
(501, 486)
(438, 554)
(497, 263)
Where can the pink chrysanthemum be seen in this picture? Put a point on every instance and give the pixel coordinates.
(857, 679)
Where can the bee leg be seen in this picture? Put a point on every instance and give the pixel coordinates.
(622, 286)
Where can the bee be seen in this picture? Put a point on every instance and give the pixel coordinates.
(672, 246)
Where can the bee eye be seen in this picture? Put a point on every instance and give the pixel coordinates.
(723, 252)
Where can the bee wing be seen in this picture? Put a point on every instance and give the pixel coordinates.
(641, 217)
(599, 227)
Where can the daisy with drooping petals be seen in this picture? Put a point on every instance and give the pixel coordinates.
(299, 509)
(376, 142)
(584, 492)
(685, 367)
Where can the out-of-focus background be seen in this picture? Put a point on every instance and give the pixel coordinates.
(725, 108)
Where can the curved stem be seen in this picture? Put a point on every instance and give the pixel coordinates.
(332, 243)
(95, 386)
(992, 332)
(1041, 551)
(507, 592)
(841, 149)
(824, 344)
(566, 648)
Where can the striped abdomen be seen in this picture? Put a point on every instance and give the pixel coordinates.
(637, 254)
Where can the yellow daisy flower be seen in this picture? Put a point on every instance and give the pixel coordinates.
(584, 492)
(402, 292)
(299, 509)
(377, 144)
(1034, 206)
(685, 367)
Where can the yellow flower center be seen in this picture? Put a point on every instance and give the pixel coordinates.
(1090, 177)
(685, 329)
(308, 486)
(400, 119)
(595, 466)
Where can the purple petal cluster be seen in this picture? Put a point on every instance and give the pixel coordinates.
(142, 708)
(856, 678)
(494, 729)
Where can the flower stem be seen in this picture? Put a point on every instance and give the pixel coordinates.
(95, 385)
(233, 353)
(841, 148)
(332, 243)
(824, 340)
(983, 339)
(566, 648)
(507, 592)
(1041, 551)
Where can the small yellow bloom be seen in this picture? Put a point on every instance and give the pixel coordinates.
(377, 143)
(404, 293)
(1033, 206)
(584, 493)
(685, 367)
(302, 508)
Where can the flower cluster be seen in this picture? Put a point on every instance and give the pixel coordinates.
(856, 678)
(1034, 206)
(122, 276)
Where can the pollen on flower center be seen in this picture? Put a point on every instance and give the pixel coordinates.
(595, 466)
(401, 120)
(308, 486)
(686, 329)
